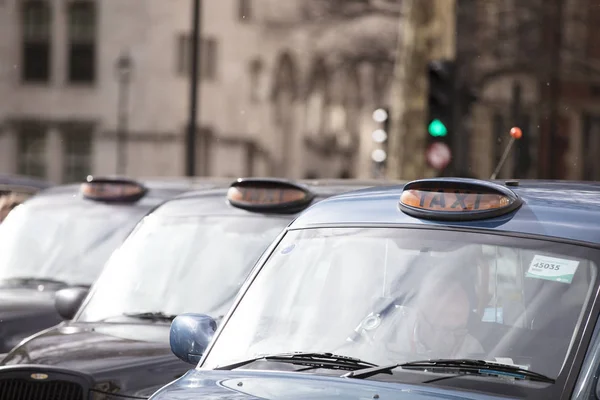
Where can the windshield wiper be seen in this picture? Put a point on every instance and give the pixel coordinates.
(151, 315)
(468, 366)
(315, 360)
(27, 280)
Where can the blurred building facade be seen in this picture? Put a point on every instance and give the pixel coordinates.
(527, 59)
(287, 87)
(60, 76)
(78, 75)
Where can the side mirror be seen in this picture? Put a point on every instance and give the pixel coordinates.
(67, 301)
(190, 335)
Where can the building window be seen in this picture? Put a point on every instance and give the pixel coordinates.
(352, 105)
(506, 30)
(208, 57)
(32, 152)
(82, 42)
(244, 10)
(527, 31)
(318, 99)
(591, 147)
(345, 174)
(256, 85)
(36, 41)
(77, 156)
(315, 113)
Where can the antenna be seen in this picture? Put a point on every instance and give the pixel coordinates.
(515, 134)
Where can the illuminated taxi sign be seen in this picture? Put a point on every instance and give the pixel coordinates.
(268, 195)
(112, 190)
(457, 199)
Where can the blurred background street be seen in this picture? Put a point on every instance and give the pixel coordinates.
(297, 88)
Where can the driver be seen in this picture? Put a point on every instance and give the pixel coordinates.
(437, 326)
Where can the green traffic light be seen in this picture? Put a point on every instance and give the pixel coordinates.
(437, 128)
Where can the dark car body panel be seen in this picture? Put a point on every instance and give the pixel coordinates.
(22, 184)
(130, 356)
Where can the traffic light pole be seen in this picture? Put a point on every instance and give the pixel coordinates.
(459, 145)
(440, 119)
(459, 140)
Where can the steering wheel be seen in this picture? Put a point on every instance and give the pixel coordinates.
(369, 325)
(366, 338)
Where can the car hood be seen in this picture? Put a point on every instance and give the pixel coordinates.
(248, 384)
(24, 312)
(129, 357)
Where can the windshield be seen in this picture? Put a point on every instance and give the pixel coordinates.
(399, 295)
(175, 265)
(67, 244)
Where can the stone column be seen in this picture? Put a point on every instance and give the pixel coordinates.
(60, 30)
(55, 155)
(8, 150)
(104, 153)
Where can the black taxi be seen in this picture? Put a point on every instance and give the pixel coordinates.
(14, 189)
(191, 253)
(21, 184)
(61, 237)
(445, 288)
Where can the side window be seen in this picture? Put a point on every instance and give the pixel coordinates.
(588, 384)
(516, 299)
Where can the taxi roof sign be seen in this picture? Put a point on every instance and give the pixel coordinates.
(456, 199)
(112, 190)
(269, 195)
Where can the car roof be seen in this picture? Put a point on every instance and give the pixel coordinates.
(214, 201)
(158, 192)
(559, 209)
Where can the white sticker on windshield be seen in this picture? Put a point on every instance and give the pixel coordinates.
(552, 269)
(509, 361)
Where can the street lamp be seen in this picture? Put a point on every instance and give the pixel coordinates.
(124, 70)
(190, 159)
